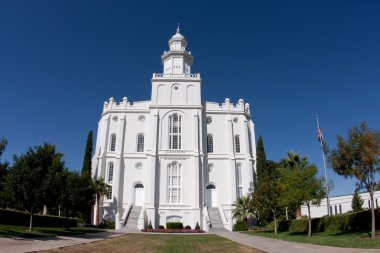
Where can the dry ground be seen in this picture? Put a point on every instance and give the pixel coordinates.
(160, 243)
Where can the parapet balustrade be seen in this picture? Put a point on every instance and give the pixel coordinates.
(160, 75)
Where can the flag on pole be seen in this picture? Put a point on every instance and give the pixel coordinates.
(321, 139)
(320, 135)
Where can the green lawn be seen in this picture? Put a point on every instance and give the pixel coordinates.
(148, 243)
(350, 240)
(21, 231)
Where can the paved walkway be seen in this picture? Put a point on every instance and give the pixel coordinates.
(17, 245)
(279, 246)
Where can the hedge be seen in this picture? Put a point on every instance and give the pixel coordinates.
(348, 222)
(282, 225)
(12, 217)
(240, 226)
(174, 225)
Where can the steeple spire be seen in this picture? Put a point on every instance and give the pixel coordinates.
(178, 31)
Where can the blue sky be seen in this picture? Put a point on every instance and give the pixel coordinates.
(60, 60)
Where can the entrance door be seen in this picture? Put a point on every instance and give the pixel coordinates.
(211, 196)
(139, 195)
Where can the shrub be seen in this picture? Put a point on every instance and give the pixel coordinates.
(174, 225)
(298, 226)
(161, 227)
(107, 223)
(150, 225)
(240, 226)
(347, 222)
(11, 217)
(282, 225)
(197, 227)
(187, 227)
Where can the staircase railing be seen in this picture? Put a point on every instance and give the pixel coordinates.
(141, 220)
(206, 219)
(127, 210)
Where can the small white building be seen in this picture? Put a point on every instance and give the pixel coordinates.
(174, 157)
(339, 205)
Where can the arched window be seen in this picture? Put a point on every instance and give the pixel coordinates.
(140, 143)
(113, 142)
(139, 186)
(210, 144)
(175, 131)
(239, 181)
(110, 173)
(237, 144)
(210, 187)
(174, 183)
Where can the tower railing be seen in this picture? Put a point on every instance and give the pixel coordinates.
(162, 75)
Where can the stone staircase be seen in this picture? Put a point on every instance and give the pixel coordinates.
(132, 219)
(215, 220)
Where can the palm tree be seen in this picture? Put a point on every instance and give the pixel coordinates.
(100, 188)
(243, 208)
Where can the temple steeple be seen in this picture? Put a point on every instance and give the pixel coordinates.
(177, 60)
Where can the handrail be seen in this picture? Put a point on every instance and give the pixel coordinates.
(125, 214)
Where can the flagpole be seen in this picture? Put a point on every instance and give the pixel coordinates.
(324, 164)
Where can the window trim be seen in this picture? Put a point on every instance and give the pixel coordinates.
(108, 172)
(237, 144)
(210, 143)
(140, 145)
(175, 132)
(174, 187)
(239, 180)
(113, 143)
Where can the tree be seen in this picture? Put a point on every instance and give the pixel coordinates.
(268, 194)
(3, 169)
(260, 159)
(100, 188)
(30, 181)
(299, 184)
(357, 202)
(70, 199)
(243, 209)
(359, 156)
(86, 181)
(86, 168)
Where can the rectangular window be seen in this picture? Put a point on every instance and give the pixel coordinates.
(237, 144)
(174, 183)
(109, 192)
(340, 209)
(331, 210)
(369, 204)
(336, 210)
(175, 131)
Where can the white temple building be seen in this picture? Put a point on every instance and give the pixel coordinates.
(174, 157)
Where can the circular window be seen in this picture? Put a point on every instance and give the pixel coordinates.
(138, 166)
(236, 120)
(208, 120)
(176, 87)
(142, 118)
(115, 118)
(211, 168)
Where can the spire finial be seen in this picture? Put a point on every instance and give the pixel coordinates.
(178, 27)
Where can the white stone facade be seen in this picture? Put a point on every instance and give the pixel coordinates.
(340, 204)
(175, 155)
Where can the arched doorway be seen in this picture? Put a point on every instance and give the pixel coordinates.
(211, 200)
(139, 195)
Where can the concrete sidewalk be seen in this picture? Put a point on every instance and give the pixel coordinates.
(279, 246)
(18, 245)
